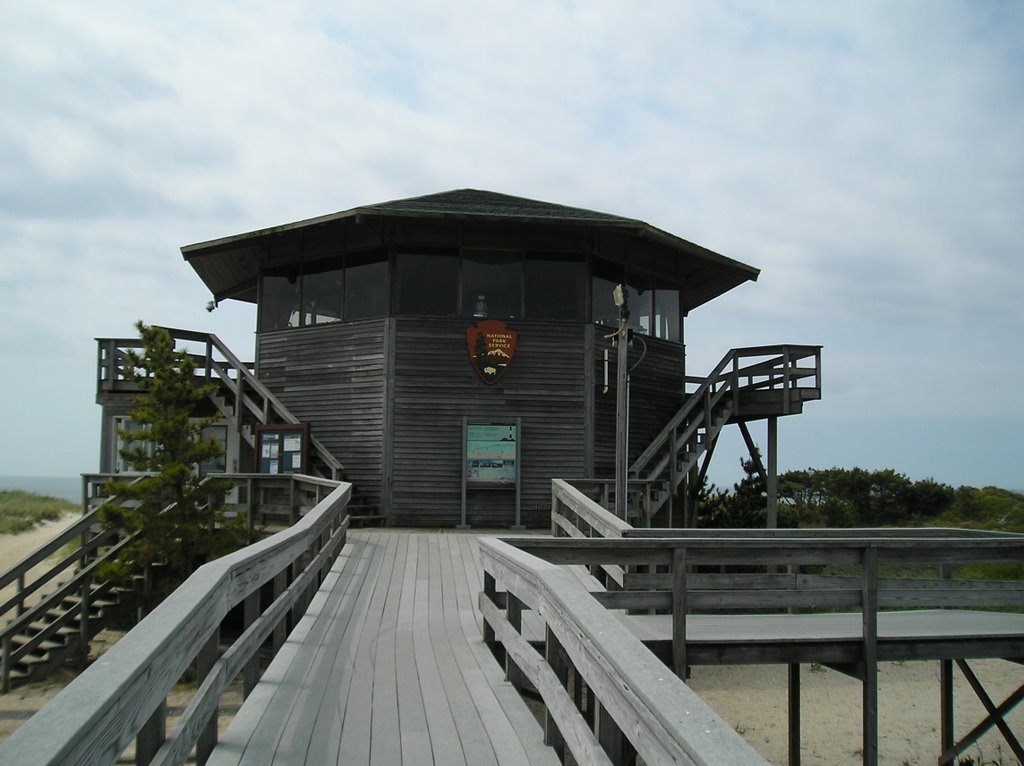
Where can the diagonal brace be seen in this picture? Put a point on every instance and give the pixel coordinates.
(995, 718)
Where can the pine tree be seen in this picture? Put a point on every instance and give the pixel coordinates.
(177, 518)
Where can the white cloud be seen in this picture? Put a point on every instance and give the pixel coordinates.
(866, 157)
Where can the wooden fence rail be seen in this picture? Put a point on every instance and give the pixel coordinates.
(818, 595)
(606, 697)
(122, 696)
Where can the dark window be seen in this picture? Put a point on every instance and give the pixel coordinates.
(666, 313)
(321, 293)
(279, 298)
(428, 283)
(606, 276)
(555, 287)
(638, 288)
(217, 464)
(492, 283)
(366, 285)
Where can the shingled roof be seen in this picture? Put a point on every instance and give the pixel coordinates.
(475, 203)
(229, 265)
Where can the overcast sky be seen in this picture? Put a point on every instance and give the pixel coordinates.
(868, 157)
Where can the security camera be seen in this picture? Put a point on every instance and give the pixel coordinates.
(211, 305)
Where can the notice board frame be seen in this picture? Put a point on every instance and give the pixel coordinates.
(470, 484)
(285, 433)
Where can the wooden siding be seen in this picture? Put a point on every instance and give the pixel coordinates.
(387, 397)
(656, 392)
(333, 376)
(436, 386)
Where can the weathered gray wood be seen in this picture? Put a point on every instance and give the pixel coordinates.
(656, 711)
(99, 713)
(793, 699)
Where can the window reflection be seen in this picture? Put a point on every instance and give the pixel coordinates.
(322, 294)
(427, 283)
(366, 285)
(492, 284)
(606, 276)
(279, 298)
(555, 287)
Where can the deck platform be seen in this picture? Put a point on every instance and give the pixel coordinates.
(388, 667)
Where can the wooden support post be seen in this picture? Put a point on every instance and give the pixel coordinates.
(5, 681)
(618, 749)
(679, 612)
(556, 659)
(84, 629)
(205, 661)
(794, 714)
(870, 633)
(773, 473)
(250, 611)
(151, 736)
(281, 629)
(515, 617)
(946, 732)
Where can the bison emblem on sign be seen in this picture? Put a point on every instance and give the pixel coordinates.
(491, 346)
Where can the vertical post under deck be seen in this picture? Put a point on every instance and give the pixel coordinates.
(773, 473)
(794, 714)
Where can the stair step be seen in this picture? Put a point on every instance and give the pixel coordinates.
(20, 639)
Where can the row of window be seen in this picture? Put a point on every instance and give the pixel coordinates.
(481, 284)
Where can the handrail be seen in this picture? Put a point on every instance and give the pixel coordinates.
(122, 695)
(661, 717)
(237, 377)
(726, 376)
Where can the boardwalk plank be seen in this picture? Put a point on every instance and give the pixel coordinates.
(412, 731)
(388, 667)
(476, 745)
(516, 735)
(441, 724)
(310, 735)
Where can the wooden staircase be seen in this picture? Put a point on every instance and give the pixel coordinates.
(50, 620)
(242, 398)
(748, 384)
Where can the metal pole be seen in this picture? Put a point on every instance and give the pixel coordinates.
(621, 424)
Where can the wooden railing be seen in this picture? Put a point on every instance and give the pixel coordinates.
(605, 696)
(785, 571)
(122, 696)
(250, 398)
(791, 371)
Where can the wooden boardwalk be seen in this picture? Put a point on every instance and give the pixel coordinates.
(388, 667)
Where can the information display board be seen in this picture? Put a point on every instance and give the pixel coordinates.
(282, 448)
(491, 455)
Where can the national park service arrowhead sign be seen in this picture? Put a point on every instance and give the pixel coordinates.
(491, 346)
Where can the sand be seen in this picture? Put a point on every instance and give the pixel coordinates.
(750, 698)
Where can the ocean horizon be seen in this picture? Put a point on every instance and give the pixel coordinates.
(63, 487)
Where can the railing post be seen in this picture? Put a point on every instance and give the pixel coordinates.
(5, 674)
(870, 628)
(151, 736)
(515, 618)
(205, 661)
(250, 611)
(83, 624)
(679, 612)
(786, 378)
(556, 659)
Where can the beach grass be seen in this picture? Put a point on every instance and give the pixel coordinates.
(21, 511)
